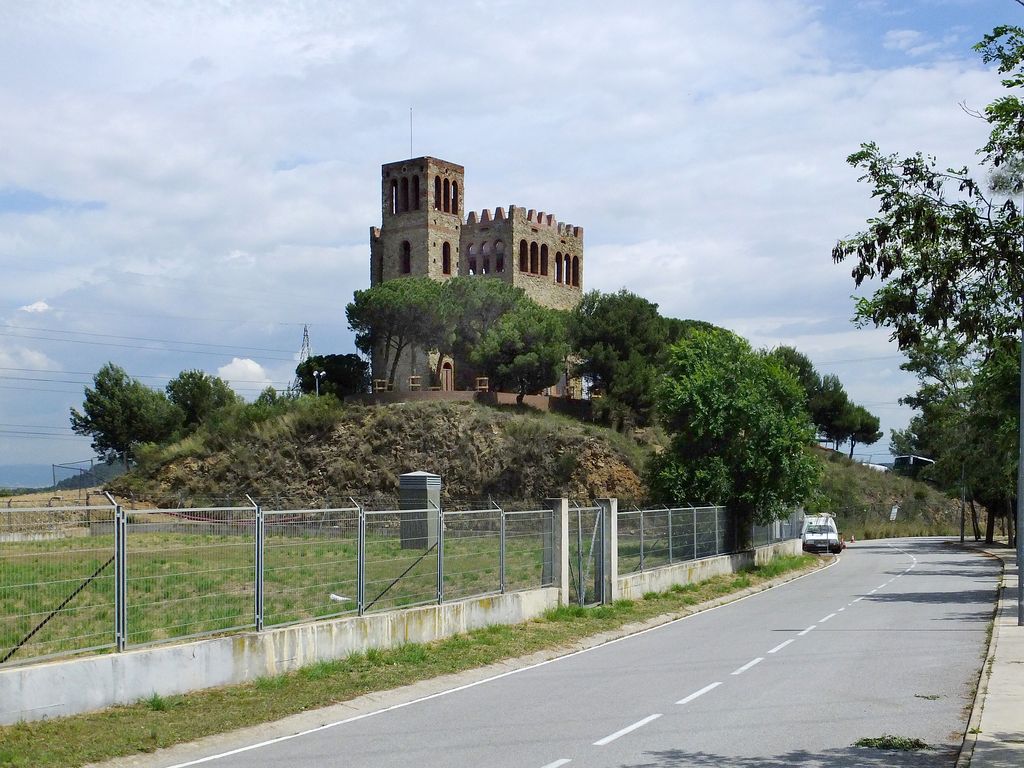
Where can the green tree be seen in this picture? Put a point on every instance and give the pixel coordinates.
(861, 426)
(740, 432)
(345, 375)
(619, 339)
(525, 351)
(799, 365)
(474, 307)
(119, 413)
(946, 247)
(198, 395)
(827, 407)
(397, 314)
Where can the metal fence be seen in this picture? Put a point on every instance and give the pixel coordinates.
(74, 579)
(652, 538)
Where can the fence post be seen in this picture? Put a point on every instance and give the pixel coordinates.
(669, 513)
(641, 541)
(440, 553)
(361, 561)
(120, 576)
(609, 555)
(717, 552)
(258, 566)
(694, 509)
(556, 548)
(501, 550)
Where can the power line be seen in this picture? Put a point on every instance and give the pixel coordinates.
(139, 338)
(137, 346)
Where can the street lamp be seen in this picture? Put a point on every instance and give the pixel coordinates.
(317, 375)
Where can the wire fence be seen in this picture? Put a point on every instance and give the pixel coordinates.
(86, 578)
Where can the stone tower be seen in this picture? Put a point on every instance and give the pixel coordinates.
(424, 232)
(421, 217)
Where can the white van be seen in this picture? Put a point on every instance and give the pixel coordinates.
(820, 533)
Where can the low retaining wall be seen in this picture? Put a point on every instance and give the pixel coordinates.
(72, 686)
(633, 586)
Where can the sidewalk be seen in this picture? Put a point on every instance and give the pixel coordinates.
(998, 741)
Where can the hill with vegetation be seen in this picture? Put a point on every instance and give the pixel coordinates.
(317, 450)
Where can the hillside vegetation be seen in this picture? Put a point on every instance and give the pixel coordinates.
(320, 449)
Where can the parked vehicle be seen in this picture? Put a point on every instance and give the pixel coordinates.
(820, 533)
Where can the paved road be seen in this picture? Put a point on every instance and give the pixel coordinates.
(889, 640)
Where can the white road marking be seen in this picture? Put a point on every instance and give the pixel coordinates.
(627, 729)
(872, 591)
(701, 692)
(782, 645)
(805, 631)
(492, 678)
(857, 600)
(882, 586)
(822, 621)
(841, 609)
(558, 763)
(748, 665)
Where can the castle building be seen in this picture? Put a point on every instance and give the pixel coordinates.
(425, 232)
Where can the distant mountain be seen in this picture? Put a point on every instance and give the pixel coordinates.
(26, 476)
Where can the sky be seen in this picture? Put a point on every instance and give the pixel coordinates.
(186, 184)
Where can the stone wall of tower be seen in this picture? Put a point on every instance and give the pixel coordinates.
(549, 246)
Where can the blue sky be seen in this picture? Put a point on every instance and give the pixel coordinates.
(185, 185)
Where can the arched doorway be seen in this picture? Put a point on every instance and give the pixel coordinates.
(447, 377)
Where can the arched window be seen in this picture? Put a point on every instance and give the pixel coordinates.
(499, 256)
(455, 197)
(437, 192)
(447, 196)
(558, 267)
(567, 272)
(544, 260)
(487, 265)
(404, 196)
(416, 192)
(393, 202)
(406, 257)
(576, 271)
(524, 256)
(472, 265)
(446, 259)
(534, 260)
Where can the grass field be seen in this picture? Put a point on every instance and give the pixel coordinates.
(182, 584)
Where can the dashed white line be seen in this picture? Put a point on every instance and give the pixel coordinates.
(782, 645)
(696, 694)
(627, 729)
(857, 600)
(881, 586)
(558, 763)
(872, 591)
(748, 665)
(803, 632)
(841, 609)
(822, 621)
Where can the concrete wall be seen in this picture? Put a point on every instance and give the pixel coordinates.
(73, 686)
(633, 586)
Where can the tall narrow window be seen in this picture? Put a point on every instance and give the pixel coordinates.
(404, 196)
(558, 267)
(472, 266)
(499, 264)
(455, 197)
(487, 265)
(524, 256)
(446, 259)
(393, 202)
(576, 271)
(534, 265)
(437, 192)
(567, 273)
(416, 192)
(406, 257)
(544, 260)
(447, 196)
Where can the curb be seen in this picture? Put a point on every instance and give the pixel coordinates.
(966, 753)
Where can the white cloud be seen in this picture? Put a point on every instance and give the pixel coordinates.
(36, 307)
(244, 375)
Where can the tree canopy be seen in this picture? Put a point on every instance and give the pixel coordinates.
(198, 395)
(619, 339)
(525, 350)
(119, 413)
(345, 375)
(739, 429)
